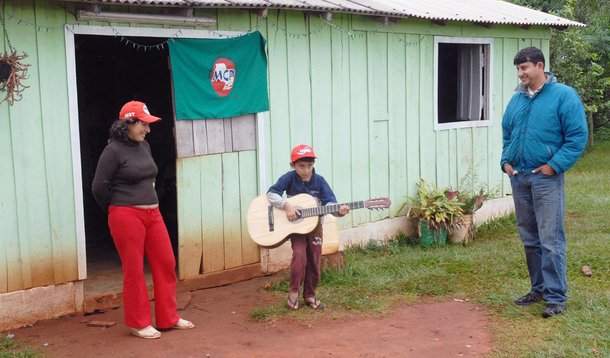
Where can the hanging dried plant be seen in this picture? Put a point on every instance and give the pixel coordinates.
(12, 73)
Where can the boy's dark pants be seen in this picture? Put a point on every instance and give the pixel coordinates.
(305, 266)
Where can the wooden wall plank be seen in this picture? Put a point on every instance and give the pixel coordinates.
(8, 225)
(231, 211)
(545, 47)
(228, 134)
(27, 137)
(55, 120)
(262, 127)
(443, 164)
(464, 148)
(184, 138)
(243, 129)
(359, 124)
(537, 43)
(279, 115)
(215, 135)
(494, 144)
(397, 100)
(428, 157)
(211, 136)
(190, 214)
(299, 79)
(480, 156)
(378, 82)
(509, 82)
(341, 122)
(248, 190)
(321, 98)
(413, 95)
(200, 137)
(9, 239)
(10, 269)
(453, 157)
(379, 167)
(212, 213)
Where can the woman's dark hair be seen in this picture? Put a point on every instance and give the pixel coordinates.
(119, 130)
(531, 54)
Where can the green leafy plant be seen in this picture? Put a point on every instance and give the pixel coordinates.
(432, 205)
(470, 202)
(470, 193)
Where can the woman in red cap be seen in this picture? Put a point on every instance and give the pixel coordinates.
(124, 186)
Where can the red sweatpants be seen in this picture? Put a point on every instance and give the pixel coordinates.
(137, 232)
(305, 265)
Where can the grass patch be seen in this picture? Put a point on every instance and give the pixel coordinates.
(491, 271)
(11, 348)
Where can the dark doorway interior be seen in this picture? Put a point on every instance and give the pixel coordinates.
(109, 73)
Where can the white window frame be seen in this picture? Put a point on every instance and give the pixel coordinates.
(472, 41)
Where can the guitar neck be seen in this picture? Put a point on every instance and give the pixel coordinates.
(329, 209)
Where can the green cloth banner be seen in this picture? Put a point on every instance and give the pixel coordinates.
(219, 78)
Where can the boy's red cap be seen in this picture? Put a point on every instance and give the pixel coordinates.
(135, 109)
(301, 151)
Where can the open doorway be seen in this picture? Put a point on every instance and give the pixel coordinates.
(109, 73)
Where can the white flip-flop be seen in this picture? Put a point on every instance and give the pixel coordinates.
(148, 332)
(183, 324)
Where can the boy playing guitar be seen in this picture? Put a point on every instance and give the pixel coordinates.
(306, 248)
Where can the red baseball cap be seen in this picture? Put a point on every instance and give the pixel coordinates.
(302, 151)
(135, 109)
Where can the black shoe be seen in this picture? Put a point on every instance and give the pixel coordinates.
(553, 309)
(528, 299)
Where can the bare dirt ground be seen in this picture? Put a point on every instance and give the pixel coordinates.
(445, 329)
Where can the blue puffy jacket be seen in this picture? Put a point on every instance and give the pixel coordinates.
(548, 128)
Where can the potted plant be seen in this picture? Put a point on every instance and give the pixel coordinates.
(471, 195)
(469, 203)
(435, 213)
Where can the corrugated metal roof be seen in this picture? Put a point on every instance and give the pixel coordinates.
(478, 11)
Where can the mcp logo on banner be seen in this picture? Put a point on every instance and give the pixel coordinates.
(223, 76)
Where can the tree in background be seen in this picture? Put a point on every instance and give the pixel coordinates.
(596, 14)
(580, 57)
(542, 5)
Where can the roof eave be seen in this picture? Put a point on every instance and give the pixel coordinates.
(385, 16)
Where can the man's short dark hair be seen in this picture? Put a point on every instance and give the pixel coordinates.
(531, 54)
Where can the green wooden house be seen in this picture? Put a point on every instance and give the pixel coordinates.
(386, 91)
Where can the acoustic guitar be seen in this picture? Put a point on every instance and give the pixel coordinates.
(269, 227)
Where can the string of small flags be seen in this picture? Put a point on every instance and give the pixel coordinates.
(39, 28)
(136, 46)
(297, 34)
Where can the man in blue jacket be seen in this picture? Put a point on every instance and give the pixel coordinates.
(544, 132)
